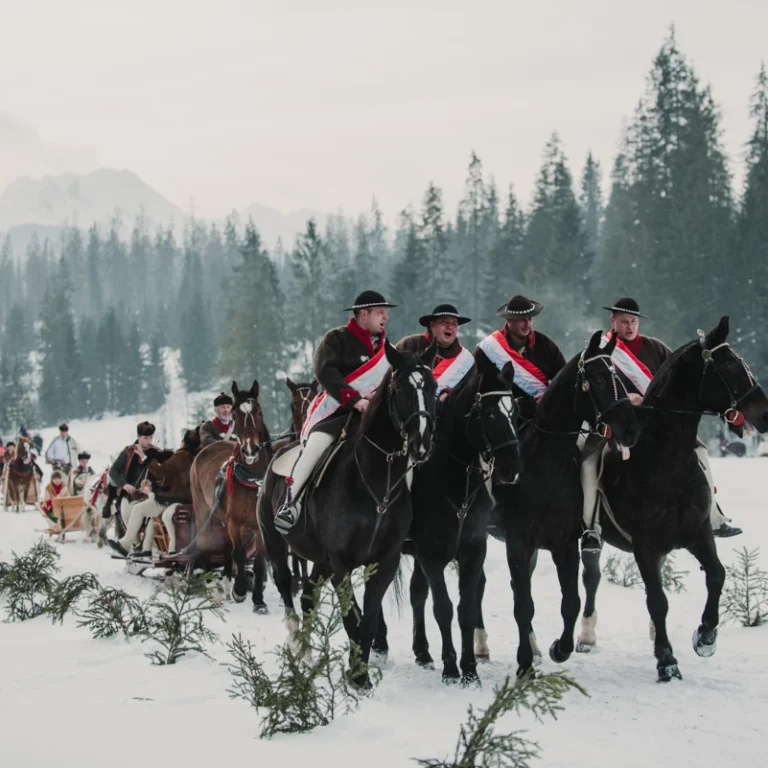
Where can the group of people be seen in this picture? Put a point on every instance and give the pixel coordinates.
(350, 364)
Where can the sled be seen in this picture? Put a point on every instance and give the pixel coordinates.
(71, 513)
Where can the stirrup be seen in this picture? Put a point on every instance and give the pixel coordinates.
(286, 518)
(591, 541)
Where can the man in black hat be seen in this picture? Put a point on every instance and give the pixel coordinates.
(453, 361)
(638, 359)
(349, 364)
(81, 474)
(222, 426)
(62, 452)
(536, 358)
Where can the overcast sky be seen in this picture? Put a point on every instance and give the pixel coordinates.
(326, 103)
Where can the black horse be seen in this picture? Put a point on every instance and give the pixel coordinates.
(659, 499)
(361, 511)
(475, 437)
(544, 510)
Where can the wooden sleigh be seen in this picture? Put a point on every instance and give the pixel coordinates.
(73, 515)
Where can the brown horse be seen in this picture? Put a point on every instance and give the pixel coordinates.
(174, 474)
(226, 479)
(19, 482)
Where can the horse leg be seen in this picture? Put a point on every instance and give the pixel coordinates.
(482, 652)
(471, 562)
(259, 579)
(419, 590)
(240, 586)
(649, 565)
(380, 645)
(705, 637)
(443, 611)
(519, 559)
(567, 563)
(590, 560)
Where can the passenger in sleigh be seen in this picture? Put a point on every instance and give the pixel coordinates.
(80, 475)
(54, 490)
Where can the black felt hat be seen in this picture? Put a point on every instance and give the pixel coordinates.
(63, 427)
(368, 300)
(627, 305)
(443, 310)
(519, 307)
(83, 455)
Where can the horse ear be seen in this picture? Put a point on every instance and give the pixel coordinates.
(290, 384)
(429, 354)
(593, 348)
(507, 375)
(235, 389)
(393, 355)
(255, 388)
(719, 334)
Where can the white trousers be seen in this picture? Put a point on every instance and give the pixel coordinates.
(317, 444)
(137, 511)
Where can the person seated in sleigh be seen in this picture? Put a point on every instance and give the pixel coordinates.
(80, 476)
(56, 489)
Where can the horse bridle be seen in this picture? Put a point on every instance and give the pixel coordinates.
(733, 415)
(477, 409)
(247, 408)
(402, 425)
(602, 428)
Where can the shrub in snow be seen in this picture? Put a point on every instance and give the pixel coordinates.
(621, 569)
(175, 618)
(65, 594)
(111, 612)
(28, 582)
(745, 594)
(312, 685)
(479, 746)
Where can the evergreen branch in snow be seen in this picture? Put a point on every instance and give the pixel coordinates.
(479, 746)
(312, 685)
(65, 594)
(177, 621)
(621, 569)
(111, 612)
(29, 581)
(745, 593)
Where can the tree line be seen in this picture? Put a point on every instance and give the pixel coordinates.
(86, 321)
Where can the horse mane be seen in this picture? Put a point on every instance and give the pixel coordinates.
(663, 378)
(455, 405)
(373, 409)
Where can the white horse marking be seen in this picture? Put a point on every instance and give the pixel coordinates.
(417, 379)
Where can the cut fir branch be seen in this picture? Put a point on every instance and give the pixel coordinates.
(745, 593)
(312, 685)
(111, 612)
(479, 746)
(177, 621)
(29, 581)
(65, 594)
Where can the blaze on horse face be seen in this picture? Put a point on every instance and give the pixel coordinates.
(727, 384)
(412, 398)
(492, 425)
(601, 398)
(249, 421)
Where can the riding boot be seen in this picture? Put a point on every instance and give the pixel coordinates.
(288, 514)
(717, 519)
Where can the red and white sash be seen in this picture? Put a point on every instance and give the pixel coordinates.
(449, 372)
(628, 364)
(366, 380)
(527, 375)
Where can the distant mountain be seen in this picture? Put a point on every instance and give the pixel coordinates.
(273, 225)
(82, 199)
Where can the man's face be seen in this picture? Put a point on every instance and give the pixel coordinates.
(625, 325)
(145, 441)
(224, 412)
(83, 463)
(373, 320)
(63, 433)
(520, 328)
(444, 330)
(56, 481)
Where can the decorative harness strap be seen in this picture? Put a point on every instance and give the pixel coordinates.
(628, 363)
(528, 376)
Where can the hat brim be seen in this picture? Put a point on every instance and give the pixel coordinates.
(623, 311)
(503, 312)
(368, 306)
(425, 320)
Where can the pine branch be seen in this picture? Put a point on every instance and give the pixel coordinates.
(112, 612)
(66, 593)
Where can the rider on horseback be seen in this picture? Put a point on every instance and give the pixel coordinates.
(222, 426)
(536, 358)
(349, 364)
(638, 359)
(453, 361)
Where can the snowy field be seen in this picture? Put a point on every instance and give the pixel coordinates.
(66, 696)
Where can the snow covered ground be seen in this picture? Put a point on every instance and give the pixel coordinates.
(66, 696)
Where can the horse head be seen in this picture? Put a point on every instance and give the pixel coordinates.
(23, 453)
(492, 425)
(727, 385)
(601, 397)
(302, 395)
(249, 421)
(191, 440)
(411, 396)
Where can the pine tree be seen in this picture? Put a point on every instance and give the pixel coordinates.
(591, 200)
(406, 283)
(95, 298)
(155, 383)
(108, 351)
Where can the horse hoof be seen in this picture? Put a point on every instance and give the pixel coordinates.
(582, 647)
(423, 659)
(238, 598)
(668, 672)
(261, 609)
(470, 680)
(451, 679)
(557, 654)
(483, 658)
(362, 683)
(380, 654)
(525, 673)
(705, 642)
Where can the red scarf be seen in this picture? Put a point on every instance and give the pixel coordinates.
(635, 345)
(220, 426)
(364, 336)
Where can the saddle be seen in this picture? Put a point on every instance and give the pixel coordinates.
(284, 462)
